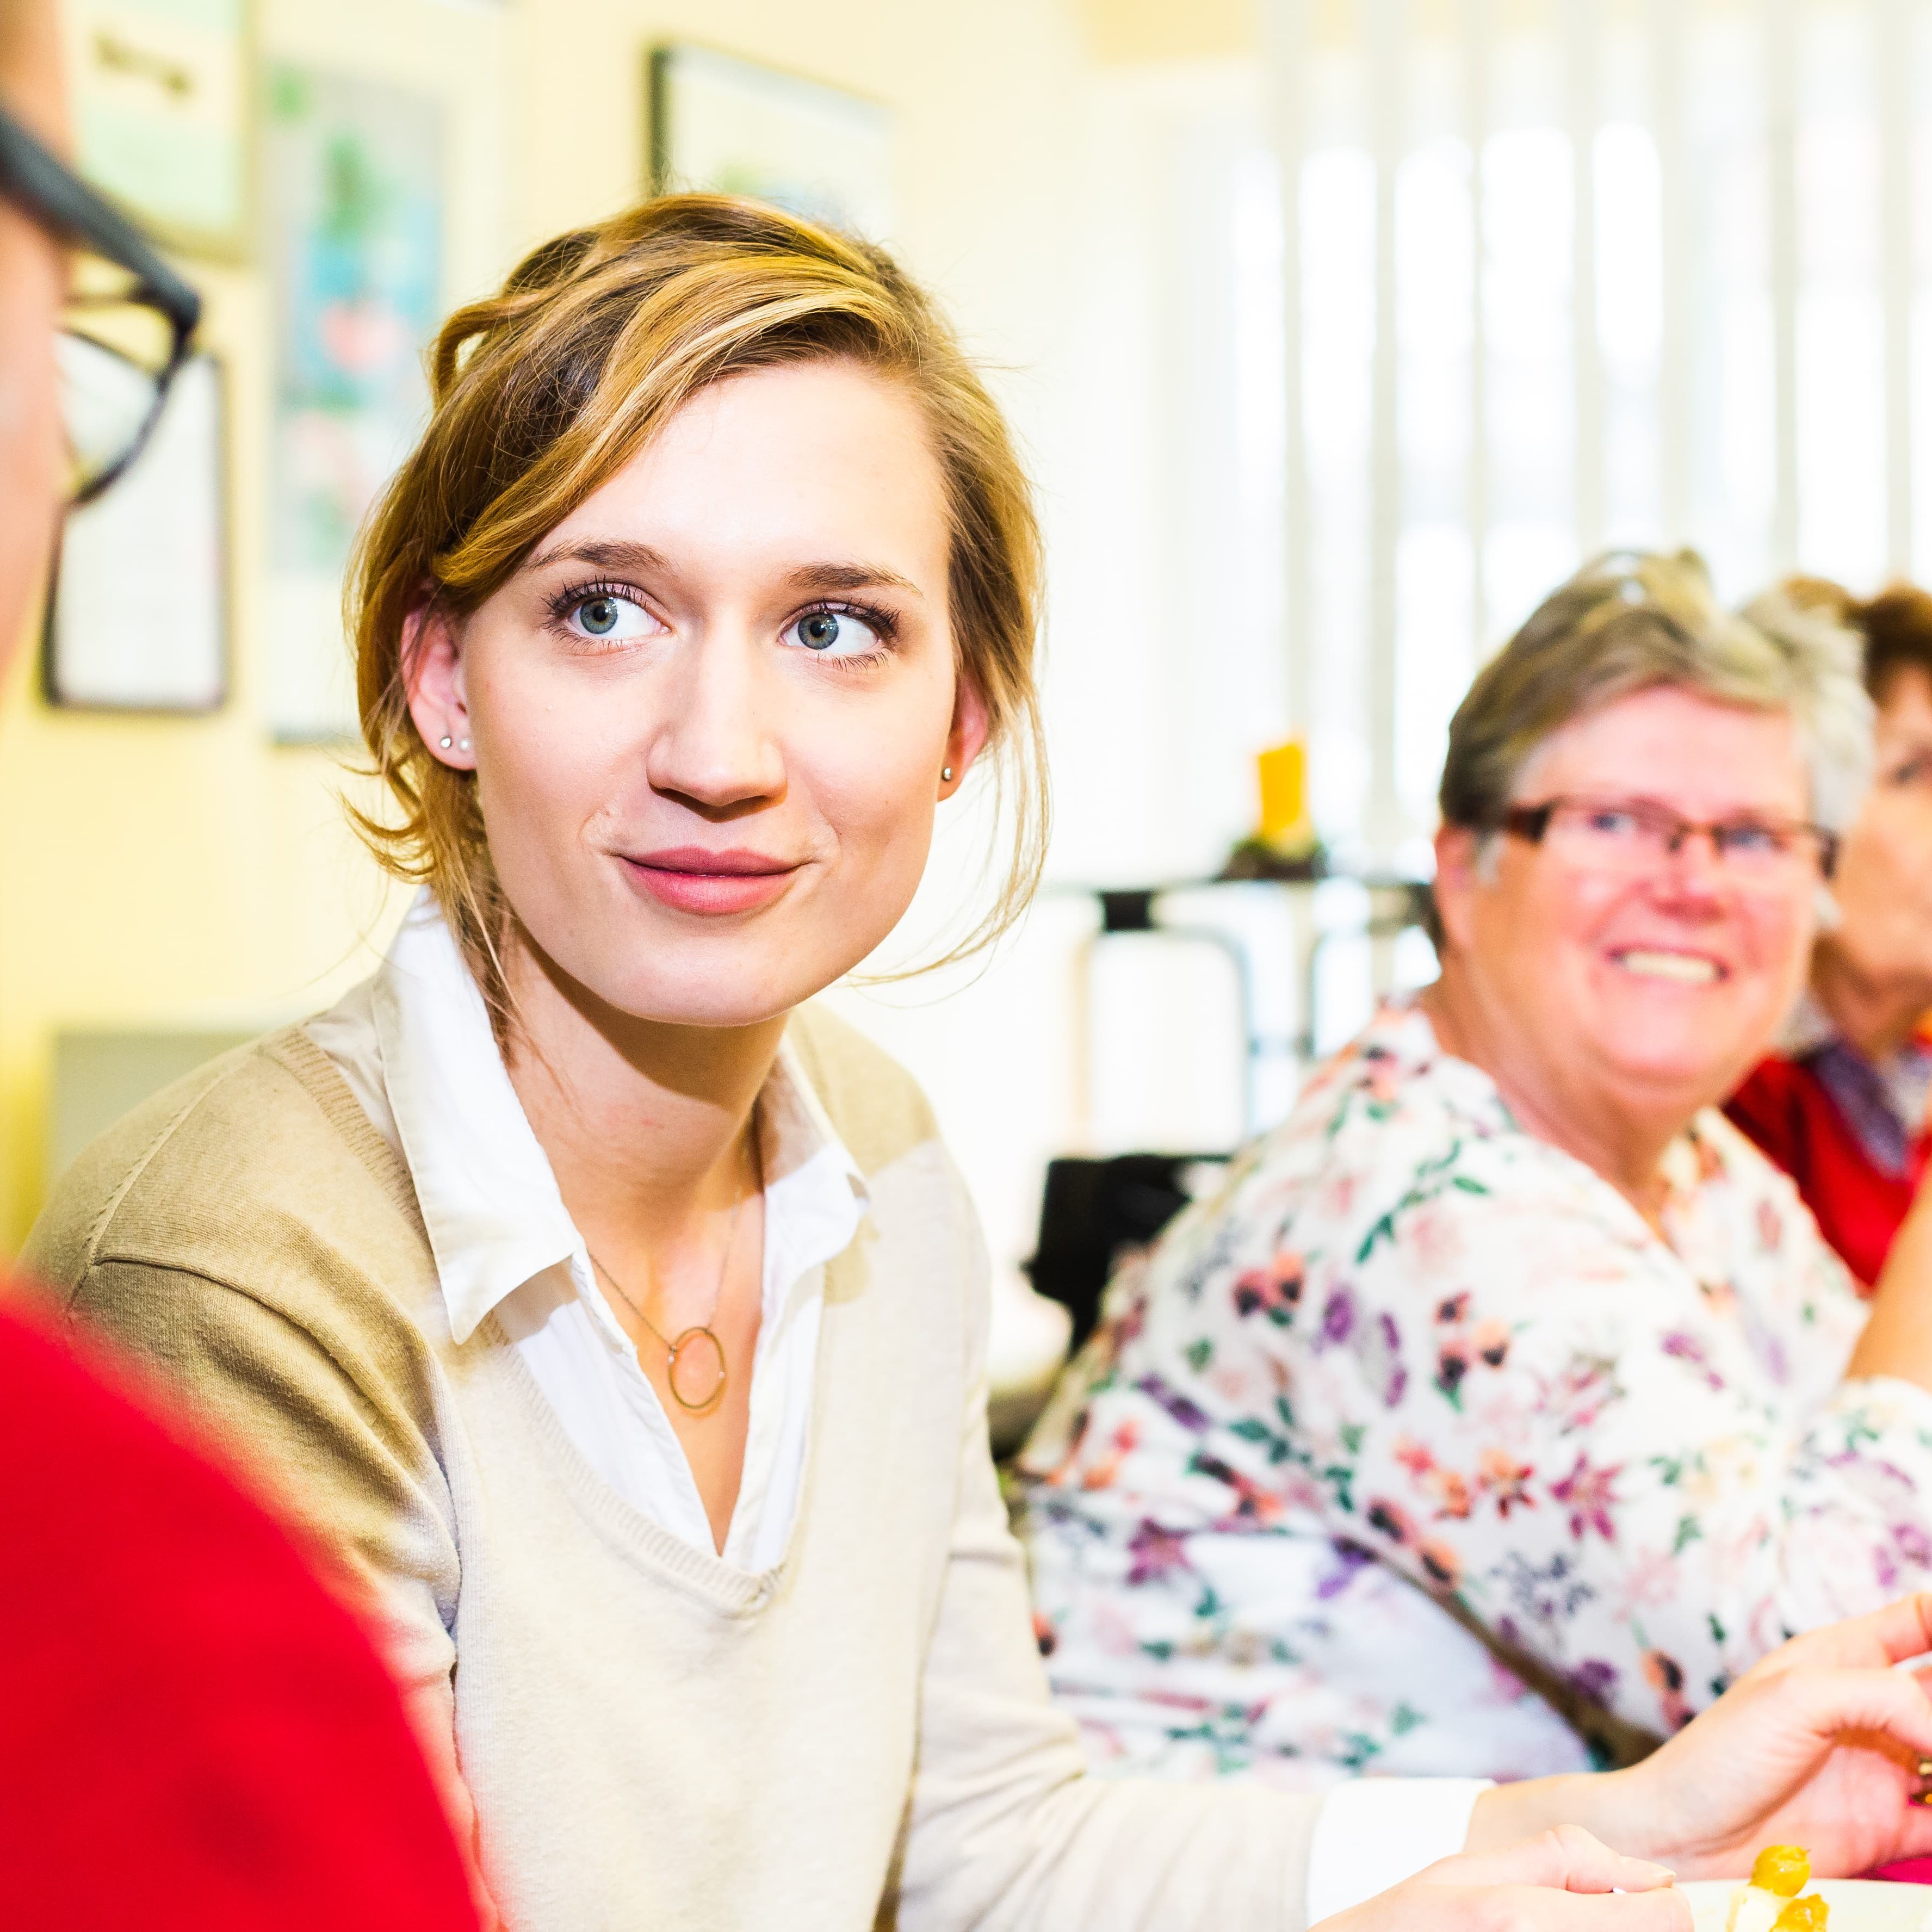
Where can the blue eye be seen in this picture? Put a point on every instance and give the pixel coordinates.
(607, 618)
(836, 633)
(1611, 823)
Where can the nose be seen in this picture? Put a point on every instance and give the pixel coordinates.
(1694, 875)
(713, 748)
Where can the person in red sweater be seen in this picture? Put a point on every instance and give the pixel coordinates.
(1842, 1106)
(194, 1733)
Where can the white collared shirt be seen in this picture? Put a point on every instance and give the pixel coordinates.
(415, 1045)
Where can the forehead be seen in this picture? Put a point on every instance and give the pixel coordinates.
(802, 462)
(1908, 701)
(1703, 757)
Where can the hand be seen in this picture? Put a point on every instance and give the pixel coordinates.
(1817, 1744)
(1563, 1881)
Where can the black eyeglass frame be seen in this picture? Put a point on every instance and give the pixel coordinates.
(1529, 823)
(42, 186)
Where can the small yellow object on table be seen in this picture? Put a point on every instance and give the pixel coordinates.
(1285, 827)
(1771, 1902)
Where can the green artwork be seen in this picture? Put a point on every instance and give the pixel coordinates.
(353, 217)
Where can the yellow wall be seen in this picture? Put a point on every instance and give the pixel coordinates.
(187, 871)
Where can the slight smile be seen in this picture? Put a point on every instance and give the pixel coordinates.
(1680, 969)
(693, 879)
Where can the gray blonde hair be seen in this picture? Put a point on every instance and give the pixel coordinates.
(1630, 621)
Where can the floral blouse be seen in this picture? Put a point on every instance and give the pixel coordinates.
(1411, 1348)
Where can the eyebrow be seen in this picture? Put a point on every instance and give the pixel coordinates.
(810, 579)
(613, 553)
(823, 576)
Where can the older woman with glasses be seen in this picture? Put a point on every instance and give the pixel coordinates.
(1506, 1404)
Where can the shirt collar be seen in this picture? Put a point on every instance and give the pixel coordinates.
(489, 1198)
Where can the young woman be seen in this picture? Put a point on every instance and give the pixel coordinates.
(620, 1319)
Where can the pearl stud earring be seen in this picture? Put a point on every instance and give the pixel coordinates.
(444, 741)
(463, 744)
(945, 774)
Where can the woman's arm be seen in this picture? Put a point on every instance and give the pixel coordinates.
(1819, 1744)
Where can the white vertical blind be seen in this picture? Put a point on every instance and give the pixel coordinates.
(1562, 274)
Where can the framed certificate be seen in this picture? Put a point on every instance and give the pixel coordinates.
(161, 96)
(138, 618)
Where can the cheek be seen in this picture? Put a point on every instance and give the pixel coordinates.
(876, 790)
(1780, 932)
(540, 756)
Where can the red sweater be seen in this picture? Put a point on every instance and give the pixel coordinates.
(193, 1733)
(1784, 1107)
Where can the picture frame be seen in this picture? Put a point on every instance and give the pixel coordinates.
(354, 188)
(161, 94)
(137, 615)
(733, 126)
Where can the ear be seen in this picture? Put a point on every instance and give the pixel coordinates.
(967, 739)
(433, 674)
(1456, 881)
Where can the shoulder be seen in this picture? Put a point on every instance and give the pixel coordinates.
(263, 1154)
(877, 1108)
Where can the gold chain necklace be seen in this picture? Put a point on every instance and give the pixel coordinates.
(687, 1339)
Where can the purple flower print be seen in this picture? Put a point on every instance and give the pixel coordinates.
(1338, 1318)
(1589, 1495)
(1682, 1348)
(1595, 1679)
(1378, 1350)
(1351, 1559)
(1914, 1545)
(1157, 1553)
(1190, 1418)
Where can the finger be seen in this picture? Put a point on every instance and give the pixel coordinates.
(1901, 1630)
(1664, 1911)
(1566, 1859)
(1828, 1702)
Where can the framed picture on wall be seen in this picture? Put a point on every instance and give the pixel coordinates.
(352, 227)
(736, 127)
(160, 100)
(137, 619)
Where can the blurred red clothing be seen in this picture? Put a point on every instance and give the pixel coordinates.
(1787, 1109)
(193, 1732)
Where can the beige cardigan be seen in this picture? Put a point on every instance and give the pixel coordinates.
(653, 1739)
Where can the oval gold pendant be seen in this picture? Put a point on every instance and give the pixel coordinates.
(712, 1381)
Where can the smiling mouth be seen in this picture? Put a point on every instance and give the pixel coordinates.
(692, 879)
(1680, 969)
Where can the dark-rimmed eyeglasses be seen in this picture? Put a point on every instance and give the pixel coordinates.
(130, 320)
(1636, 837)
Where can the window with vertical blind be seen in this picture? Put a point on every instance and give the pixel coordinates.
(1561, 274)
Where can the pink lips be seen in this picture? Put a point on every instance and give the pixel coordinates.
(692, 878)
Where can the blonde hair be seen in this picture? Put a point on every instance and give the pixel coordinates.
(1633, 619)
(543, 390)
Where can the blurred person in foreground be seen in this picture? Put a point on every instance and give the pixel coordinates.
(1505, 1404)
(620, 1317)
(193, 1734)
(1841, 1105)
